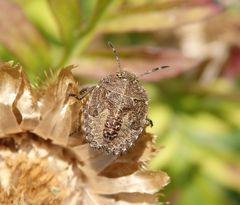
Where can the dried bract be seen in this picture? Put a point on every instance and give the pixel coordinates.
(42, 163)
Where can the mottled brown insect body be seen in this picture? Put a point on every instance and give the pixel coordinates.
(115, 113)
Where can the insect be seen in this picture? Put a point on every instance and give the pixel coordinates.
(116, 111)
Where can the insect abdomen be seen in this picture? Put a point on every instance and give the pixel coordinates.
(112, 127)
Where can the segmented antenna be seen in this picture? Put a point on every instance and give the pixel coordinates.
(152, 70)
(115, 54)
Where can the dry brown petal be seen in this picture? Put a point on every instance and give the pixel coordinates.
(35, 172)
(8, 122)
(57, 91)
(26, 104)
(95, 199)
(141, 182)
(55, 125)
(137, 198)
(142, 149)
(94, 160)
(90, 198)
(10, 82)
(134, 159)
(64, 82)
(56, 120)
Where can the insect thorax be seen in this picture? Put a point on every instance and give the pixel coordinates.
(124, 83)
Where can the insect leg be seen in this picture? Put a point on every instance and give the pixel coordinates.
(148, 122)
(83, 93)
(75, 132)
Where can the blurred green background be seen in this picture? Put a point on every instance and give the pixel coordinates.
(194, 105)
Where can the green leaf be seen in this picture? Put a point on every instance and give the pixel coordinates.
(225, 173)
(154, 17)
(69, 19)
(99, 10)
(202, 191)
(89, 32)
(45, 22)
(20, 37)
(77, 32)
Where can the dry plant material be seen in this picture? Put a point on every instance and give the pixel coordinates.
(43, 163)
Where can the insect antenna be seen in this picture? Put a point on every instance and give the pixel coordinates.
(152, 70)
(115, 54)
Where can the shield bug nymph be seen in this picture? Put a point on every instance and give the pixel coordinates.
(116, 111)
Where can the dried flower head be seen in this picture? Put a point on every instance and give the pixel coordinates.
(42, 163)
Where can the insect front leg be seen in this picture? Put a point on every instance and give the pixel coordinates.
(83, 92)
(148, 122)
